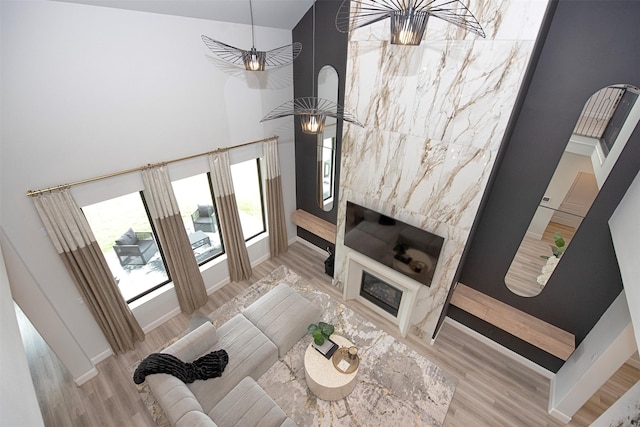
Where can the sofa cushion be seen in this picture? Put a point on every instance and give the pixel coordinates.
(247, 405)
(250, 352)
(205, 210)
(174, 397)
(195, 419)
(128, 238)
(196, 343)
(283, 315)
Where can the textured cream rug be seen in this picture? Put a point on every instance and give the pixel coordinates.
(396, 386)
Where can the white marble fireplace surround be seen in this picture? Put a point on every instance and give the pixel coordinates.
(434, 117)
(357, 263)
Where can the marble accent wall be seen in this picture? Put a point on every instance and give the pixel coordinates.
(434, 117)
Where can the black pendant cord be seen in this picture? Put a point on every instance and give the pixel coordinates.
(253, 37)
(313, 52)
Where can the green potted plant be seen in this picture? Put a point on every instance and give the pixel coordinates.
(558, 249)
(320, 332)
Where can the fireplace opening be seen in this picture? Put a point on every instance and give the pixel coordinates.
(380, 293)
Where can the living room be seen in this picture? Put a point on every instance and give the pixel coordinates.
(98, 95)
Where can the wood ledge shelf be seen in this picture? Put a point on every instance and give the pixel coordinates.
(315, 225)
(536, 332)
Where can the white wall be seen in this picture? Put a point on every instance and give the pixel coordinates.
(88, 91)
(609, 344)
(626, 240)
(18, 403)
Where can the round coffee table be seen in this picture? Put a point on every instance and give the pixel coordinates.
(323, 379)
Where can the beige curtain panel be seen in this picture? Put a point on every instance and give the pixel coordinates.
(235, 246)
(177, 251)
(278, 242)
(75, 243)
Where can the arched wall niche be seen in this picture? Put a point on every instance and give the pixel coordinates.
(574, 61)
(330, 49)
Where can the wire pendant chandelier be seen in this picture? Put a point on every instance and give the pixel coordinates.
(253, 59)
(312, 110)
(408, 17)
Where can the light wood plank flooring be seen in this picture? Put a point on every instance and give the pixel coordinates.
(527, 264)
(493, 390)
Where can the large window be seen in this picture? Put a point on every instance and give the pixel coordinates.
(124, 232)
(195, 201)
(247, 183)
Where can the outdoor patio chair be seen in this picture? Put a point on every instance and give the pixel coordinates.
(135, 248)
(204, 219)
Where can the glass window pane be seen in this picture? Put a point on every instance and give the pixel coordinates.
(197, 208)
(248, 187)
(123, 231)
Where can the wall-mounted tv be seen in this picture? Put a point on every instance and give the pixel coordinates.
(407, 249)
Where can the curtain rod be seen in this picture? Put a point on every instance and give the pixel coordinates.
(97, 178)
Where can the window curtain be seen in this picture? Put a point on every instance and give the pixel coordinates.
(235, 246)
(75, 243)
(275, 206)
(172, 234)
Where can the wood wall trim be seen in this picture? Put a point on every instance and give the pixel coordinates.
(536, 332)
(315, 225)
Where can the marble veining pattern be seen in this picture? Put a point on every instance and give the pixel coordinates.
(434, 117)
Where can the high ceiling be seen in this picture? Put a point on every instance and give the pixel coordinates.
(284, 14)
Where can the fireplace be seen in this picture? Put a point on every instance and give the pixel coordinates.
(380, 293)
(384, 290)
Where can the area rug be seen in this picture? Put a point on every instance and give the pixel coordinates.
(396, 386)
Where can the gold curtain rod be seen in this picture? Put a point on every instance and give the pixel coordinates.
(110, 175)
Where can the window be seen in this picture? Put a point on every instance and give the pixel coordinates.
(195, 201)
(125, 234)
(247, 182)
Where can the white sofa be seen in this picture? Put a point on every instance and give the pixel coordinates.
(254, 340)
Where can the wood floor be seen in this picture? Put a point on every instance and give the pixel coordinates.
(527, 263)
(492, 390)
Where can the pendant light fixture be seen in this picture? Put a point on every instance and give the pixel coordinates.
(408, 17)
(253, 59)
(312, 110)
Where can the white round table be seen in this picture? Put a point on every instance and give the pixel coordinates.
(323, 379)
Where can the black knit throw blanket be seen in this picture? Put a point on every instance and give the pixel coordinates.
(208, 366)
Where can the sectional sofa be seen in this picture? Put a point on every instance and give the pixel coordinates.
(254, 340)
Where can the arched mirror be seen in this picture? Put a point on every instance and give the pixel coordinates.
(326, 157)
(604, 126)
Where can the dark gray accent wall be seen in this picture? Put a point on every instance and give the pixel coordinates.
(330, 49)
(589, 45)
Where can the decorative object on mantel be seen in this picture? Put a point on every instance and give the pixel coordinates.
(552, 261)
(312, 110)
(253, 59)
(408, 17)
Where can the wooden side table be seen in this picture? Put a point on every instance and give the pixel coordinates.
(323, 379)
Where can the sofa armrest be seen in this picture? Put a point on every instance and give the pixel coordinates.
(195, 343)
(174, 397)
(196, 419)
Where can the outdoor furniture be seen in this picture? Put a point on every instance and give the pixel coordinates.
(204, 219)
(135, 248)
(199, 239)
